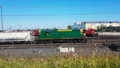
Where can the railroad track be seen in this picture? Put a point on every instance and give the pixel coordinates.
(102, 44)
(19, 46)
(90, 41)
(104, 37)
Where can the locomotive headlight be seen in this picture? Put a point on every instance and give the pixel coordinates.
(84, 34)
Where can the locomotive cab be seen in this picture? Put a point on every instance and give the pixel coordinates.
(35, 33)
(91, 33)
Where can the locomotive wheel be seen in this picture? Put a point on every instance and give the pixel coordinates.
(79, 41)
(49, 41)
(70, 41)
(45, 42)
(93, 35)
(41, 42)
(96, 35)
(84, 40)
(74, 41)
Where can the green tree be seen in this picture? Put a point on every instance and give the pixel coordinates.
(98, 28)
(69, 27)
(102, 27)
(119, 30)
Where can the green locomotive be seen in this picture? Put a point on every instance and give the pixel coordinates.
(48, 36)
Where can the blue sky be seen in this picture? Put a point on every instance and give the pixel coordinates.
(35, 22)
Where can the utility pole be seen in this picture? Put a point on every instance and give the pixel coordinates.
(1, 18)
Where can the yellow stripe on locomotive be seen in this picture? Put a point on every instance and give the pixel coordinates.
(64, 30)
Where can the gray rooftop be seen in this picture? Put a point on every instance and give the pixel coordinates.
(101, 22)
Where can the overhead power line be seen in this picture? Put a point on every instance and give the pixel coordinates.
(66, 14)
(65, 6)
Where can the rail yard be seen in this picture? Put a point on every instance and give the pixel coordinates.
(101, 43)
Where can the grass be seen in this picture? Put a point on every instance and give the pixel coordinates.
(68, 61)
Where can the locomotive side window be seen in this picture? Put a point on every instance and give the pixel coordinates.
(48, 32)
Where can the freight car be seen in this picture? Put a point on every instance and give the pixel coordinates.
(73, 36)
(20, 37)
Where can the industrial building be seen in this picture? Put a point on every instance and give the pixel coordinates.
(95, 25)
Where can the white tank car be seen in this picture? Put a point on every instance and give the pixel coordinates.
(17, 37)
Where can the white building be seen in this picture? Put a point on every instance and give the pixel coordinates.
(94, 25)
